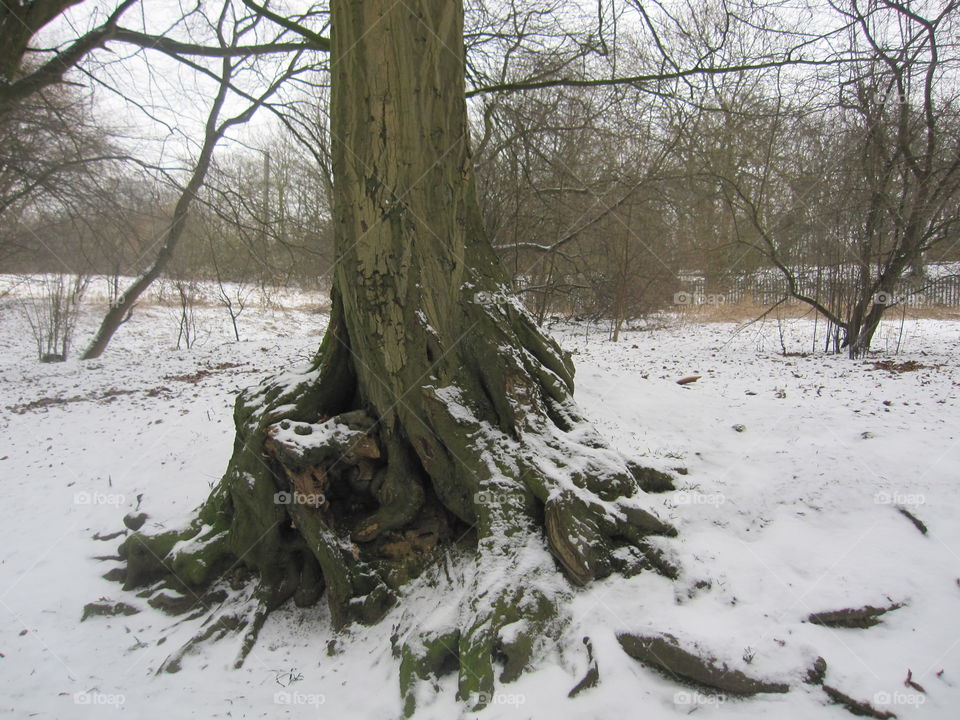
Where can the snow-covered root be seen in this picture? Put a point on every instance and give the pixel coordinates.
(500, 467)
(555, 473)
(530, 516)
(497, 616)
(241, 613)
(515, 590)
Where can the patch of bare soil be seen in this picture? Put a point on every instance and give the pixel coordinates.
(46, 402)
(108, 396)
(195, 377)
(895, 368)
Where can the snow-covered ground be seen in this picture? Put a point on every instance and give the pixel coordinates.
(795, 468)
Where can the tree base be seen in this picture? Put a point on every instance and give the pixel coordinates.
(321, 498)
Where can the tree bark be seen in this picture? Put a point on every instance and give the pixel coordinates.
(436, 415)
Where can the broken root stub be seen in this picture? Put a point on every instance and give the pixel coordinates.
(134, 521)
(663, 653)
(817, 673)
(593, 672)
(650, 480)
(864, 617)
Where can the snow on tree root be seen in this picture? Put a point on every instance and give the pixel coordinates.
(350, 477)
(550, 493)
(500, 610)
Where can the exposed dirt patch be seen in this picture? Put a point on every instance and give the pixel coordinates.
(106, 397)
(896, 368)
(195, 377)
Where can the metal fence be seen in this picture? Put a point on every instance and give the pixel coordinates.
(767, 289)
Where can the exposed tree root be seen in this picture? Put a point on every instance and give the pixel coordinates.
(488, 623)
(859, 708)
(917, 522)
(593, 672)
(817, 674)
(664, 653)
(109, 536)
(240, 613)
(864, 617)
(324, 497)
(107, 609)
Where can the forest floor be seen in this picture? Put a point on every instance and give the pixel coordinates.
(795, 467)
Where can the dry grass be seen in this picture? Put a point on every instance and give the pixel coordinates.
(743, 311)
(933, 312)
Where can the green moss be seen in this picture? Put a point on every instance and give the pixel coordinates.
(146, 557)
(430, 657)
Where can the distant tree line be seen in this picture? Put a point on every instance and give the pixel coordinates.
(602, 198)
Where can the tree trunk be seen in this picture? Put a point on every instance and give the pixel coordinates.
(435, 416)
(860, 332)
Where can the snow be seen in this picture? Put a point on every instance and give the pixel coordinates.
(300, 436)
(451, 397)
(796, 513)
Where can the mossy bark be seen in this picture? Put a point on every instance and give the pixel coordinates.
(436, 412)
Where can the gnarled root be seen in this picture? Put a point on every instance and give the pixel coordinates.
(322, 498)
(508, 609)
(240, 613)
(493, 619)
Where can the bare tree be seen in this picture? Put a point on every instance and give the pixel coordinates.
(229, 31)
(51, 311)
(887, 152)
